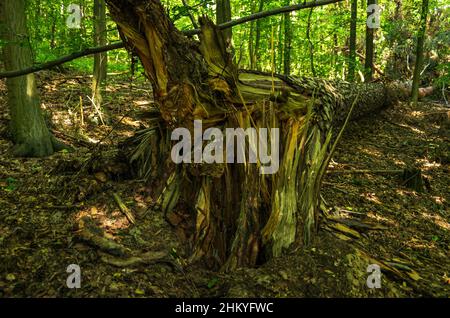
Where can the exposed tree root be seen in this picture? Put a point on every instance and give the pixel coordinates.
(93, 235)
(114, 253)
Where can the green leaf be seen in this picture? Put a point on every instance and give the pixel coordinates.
(213, 282)
(139, 291)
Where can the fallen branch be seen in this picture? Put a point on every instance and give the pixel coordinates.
(356, 224)
(124, 209)
(62, 60)
(149, 258)
(93, 235)
(265, 14)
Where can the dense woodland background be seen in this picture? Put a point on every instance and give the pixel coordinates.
(322, 31)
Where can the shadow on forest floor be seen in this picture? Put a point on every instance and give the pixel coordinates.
(42, 201)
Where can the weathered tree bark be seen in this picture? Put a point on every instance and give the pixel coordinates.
(30, 133)
(233, 215)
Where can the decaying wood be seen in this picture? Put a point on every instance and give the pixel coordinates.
(238, 216)
(149, 258)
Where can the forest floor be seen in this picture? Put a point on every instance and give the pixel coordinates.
(43, 200)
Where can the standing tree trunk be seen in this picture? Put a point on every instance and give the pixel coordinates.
(287, 40)
(419, 52)
(352, 53)
(100, 59)
(234, 215)
(310, 44)
(251, 38)
(396, 68)
(256, 61)
(30, 133)
(368, 74)
(223, 14)
(279, 57)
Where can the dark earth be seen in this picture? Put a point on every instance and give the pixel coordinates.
(42, 202)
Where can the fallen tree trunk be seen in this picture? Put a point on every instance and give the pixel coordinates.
(234, 215)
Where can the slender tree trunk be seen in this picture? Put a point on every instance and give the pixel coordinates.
(352, 53)
(251, 38)
(256, 60)
(368, 74)
(223, 14)
(310, 44)
(53, 31)
(280, 47)
(234, 215)
(101, 59)
(335, 52)
(396, 66)
(30, 133)
(287, 40)
(419, 52)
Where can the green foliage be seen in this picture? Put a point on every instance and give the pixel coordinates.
(329, 32)
(51, 38)
(9, 185)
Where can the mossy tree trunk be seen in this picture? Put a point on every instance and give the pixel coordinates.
(233, 215)
(30, 133)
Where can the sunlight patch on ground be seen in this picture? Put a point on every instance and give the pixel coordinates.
(372, 197)
(407, 193)
(142, 102)
(417, 113)
(438, 220)
(439, 200)
(427, 165)
(417, 131)
(371, 151)
(400, 163)
(379, 218)
(130, 122)
(419, 244)
(110, 222)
